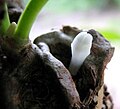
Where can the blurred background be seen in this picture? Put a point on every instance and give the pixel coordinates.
(101, 15)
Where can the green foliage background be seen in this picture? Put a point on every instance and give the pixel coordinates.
(73, 5)
(112, 32)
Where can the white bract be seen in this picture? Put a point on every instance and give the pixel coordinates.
(80, 48)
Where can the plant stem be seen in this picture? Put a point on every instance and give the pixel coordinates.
(27, 19)
(5, 22)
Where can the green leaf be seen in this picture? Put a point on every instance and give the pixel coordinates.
(5, 22)
(27, 19)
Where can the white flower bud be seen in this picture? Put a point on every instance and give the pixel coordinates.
(80, 48)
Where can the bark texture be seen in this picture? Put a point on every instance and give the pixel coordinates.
(37, 76)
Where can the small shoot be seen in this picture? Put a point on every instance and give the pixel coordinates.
(4, 18)
(19, 33)
(11, 29)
